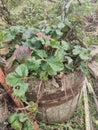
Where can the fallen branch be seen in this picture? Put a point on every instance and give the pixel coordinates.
(19, 104)
(88, 122)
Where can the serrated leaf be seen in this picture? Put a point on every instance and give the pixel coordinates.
(32, 107)
(58, 32)
(8, 37)
(22, 117)
(16, 29)
(43, 75)
(13, 79)
(48, 29)
(77, 50)
(42, 53)
(12, 117)
(28, 126)
(27, 34)
(55, 64)
(9, 34)
(20, 89)
(60, 54)
(82, 52)
(47, 68)
(33, 64)
(16, 125)
(61, 25)
(85, 54)
(64, 45)
(22, 70)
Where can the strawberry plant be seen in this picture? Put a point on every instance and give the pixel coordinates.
(19, 121)
(42, 53)
(39, 53)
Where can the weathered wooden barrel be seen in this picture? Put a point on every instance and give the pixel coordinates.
(57, 104)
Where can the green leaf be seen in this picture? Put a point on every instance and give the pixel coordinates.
(48, 29)
(16, 125)
(13, 79)
(55, 64)
(20, 89)
(85, 54)
(64, 45)
(10, 34)
(46, 68)
(22, 70)
(41, 53)
(43, 75)
(83, 68)
(33, 64)
(61, 25)
(54, 43)
(60, 54)
(32, 107)
(28, 126)
(12, 118)
(16, 29)
(58, 32)
(8, 37)
(22, 117)
(1, 36)
(29, 33)
(77, 50)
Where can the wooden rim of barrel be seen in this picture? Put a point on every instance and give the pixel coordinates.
(59, 97)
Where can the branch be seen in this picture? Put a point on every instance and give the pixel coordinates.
(86, 108)
(19, 104)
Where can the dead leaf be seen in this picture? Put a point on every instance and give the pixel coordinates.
(22, 53)
(54, 83)
(4, 51)
(61, 75)
(9, 63)
(40, 34)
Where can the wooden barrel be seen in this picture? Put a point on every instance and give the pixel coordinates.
(57, 104)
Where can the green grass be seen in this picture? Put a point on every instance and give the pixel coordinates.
(86, 8)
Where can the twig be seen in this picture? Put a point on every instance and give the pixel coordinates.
(65, 8)
(86, 108)
(39, 91)
(19, 104)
